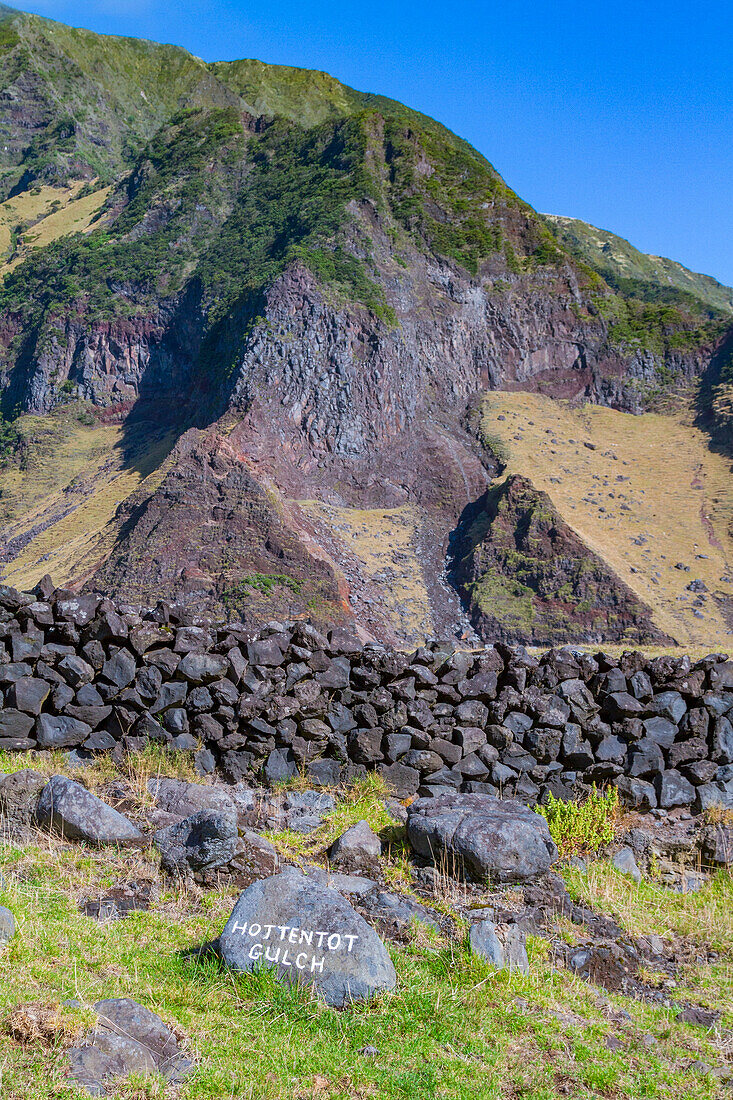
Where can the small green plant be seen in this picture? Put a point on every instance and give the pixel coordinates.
(578, 827)
(260, 582)
(498, 446)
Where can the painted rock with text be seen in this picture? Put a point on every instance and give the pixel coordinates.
(310, 935)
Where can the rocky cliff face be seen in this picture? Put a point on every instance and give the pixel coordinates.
(314, 310)
(527, 575)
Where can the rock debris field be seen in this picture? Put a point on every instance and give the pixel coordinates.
(280, 723)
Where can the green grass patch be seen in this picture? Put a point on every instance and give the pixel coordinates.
(454, 1028)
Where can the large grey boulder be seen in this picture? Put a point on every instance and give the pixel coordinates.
(72, 810)
(310, 935)
(126, 1039)
(211, 840)
(487, 837)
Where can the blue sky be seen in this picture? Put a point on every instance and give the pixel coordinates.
(620, 114)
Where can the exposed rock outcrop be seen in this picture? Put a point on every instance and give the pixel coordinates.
(528, 577)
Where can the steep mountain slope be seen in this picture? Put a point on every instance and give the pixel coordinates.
(529, 577)
(653, 278)
(309, 289)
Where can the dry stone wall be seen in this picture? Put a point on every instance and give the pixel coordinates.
(84, 674)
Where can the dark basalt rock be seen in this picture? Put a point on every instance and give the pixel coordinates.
(487, 837)
(310, 935)
(127, 1038)
(77, 814)
(439, 719)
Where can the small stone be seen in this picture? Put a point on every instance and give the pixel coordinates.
(7, 926)
(625, 862)
(484, 941)
(359, 844)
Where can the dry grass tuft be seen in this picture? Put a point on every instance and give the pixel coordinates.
(717, 814)
(45, 1024)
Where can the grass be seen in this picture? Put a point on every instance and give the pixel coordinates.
(676, 495)
(363, 801)
(454, 1028)
(60, 491)
(381, 545)
(45, 214)
(138, 768)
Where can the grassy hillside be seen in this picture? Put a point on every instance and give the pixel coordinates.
(644, 492)
(61, 486)
(651, 278)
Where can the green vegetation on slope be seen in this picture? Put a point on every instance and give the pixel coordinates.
(634, 274)
(442, 192)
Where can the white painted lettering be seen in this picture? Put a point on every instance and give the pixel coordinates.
(272, 954)
(321, 937)
(255, 929)
(306, 936)
(293, 937)
(255, 952)
(317, 965)
(284, 960)
(334, 942)
(351, 940)
(269, 928)
(283, 929)
(241, 928)
(301, 965)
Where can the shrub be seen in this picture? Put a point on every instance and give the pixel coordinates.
(578, 827)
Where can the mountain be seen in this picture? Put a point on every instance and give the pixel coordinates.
(249, 318)
(650, 278)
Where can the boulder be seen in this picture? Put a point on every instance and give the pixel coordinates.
(309, 934)
(210, 841)
(127, 1038)
(15, 724)
(669, 705)
(78, 814)
(182, 799)
(674, 790)
(396, 911)
(304, 811)
(28, 694)
(490, 838)
(19, 794)
(202, 668)
(60, 732)
(637, 792)
(401, 779)
(359, 844)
